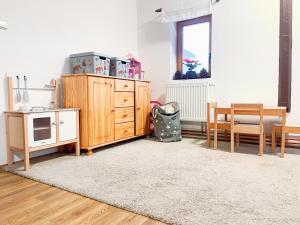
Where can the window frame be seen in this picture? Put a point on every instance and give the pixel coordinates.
(180, 25)
(285, 54)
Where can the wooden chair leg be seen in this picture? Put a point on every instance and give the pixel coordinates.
(273, 139)
(261, 144)
(208, 136)
(215, 138)
(232, 141)
(215, 130)
(237, 139)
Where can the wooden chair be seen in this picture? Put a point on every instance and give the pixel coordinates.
(248, 109)
(222, 125)
(277, 129)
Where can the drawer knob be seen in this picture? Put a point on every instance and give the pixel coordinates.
(125, 131)
(125, 100)
(61, 122)
(138, 108)
(126, 85)
(113, 110)
(125, 115)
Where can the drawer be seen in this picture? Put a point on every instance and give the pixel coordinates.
(123, 115)
(124, 130)
(124, 85)
(124, 99)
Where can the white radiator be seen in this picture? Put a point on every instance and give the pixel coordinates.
(192, 98)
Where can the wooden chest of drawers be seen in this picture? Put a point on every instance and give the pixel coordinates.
(124, 99)
(111, 109)
(124, 109)
(124, 85)
(124, 130)
(123, 115)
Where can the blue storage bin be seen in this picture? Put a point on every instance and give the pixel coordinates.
(90, 62)
(119, 67)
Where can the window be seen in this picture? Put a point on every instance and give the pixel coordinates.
(194, 48)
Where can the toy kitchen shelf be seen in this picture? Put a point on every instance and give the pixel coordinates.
(33, 131)
(30, 131)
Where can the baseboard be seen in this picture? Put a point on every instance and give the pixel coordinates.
(1, 168)
(291, 142)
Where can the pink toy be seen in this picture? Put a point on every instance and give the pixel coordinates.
(135, 69)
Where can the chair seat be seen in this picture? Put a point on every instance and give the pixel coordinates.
(247, 128)
(223, 125)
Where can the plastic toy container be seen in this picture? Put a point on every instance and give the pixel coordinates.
(119, 67)
(90, 62)
(135, 70)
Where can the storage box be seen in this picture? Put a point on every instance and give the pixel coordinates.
(135, 70)
(119, 67)
(90, 62)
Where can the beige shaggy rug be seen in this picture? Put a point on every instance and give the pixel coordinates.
(183, 182)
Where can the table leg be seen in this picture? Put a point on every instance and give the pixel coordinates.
(232, 141)
(261, 144)
(208, 133)
(26, 160)
(225, 131)
(282, 143)
(26, 146)
(283, 135)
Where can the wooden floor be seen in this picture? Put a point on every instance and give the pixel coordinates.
(26, 202)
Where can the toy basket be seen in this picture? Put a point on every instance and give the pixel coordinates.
(166, 119)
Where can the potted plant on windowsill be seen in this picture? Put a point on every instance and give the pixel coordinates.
(192, 64)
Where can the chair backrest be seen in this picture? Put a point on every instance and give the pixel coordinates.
(247, 109)
(210, 106)
(252, 109)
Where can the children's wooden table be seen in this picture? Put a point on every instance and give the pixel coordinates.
(268, 111)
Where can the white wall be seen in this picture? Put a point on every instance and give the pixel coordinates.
(41, 34)
(245, 51)
(295, 114)
(156, 44)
